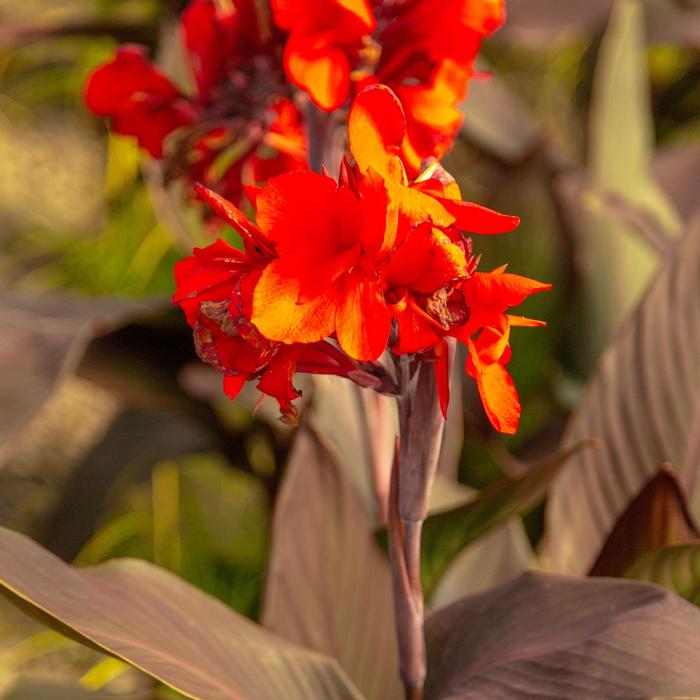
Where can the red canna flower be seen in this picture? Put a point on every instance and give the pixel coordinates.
(353, 268)
(424, 51)
(215, 291)
(238, 126)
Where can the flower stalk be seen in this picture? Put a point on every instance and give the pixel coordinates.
(422, 425)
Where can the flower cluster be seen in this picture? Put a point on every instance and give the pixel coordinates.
(239, 124)
(423, 50)
(334, 274)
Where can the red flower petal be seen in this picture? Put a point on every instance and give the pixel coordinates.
(234, 217)
(362, 320)
(141, 101)
(442, 375)
(233, 383)
(307, 209)
(279, 316)
(210, 32)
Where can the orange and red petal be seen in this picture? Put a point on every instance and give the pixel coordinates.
(362, 321)
(234, 217)
(277, 312)
(416, 330)
(500, 290)
(376, 128)
(497, 392)
(380, 215)
(277, 380)
(473, 218)
(319, 66)
(447, 262)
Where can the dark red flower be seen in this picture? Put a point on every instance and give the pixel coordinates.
(215, 287)
(237, 127)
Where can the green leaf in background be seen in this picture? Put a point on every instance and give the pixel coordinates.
(676, 567)
(328, 584)
(547, 636)
(619, 263)
(643, 404)
(446, 534)
(657, 517)
(167, 628)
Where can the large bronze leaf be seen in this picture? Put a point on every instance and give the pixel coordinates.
(547, 636)
(643, 403)
(165, 627)
(328, 584)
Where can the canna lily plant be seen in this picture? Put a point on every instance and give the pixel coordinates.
(314, 129)
(334, 277)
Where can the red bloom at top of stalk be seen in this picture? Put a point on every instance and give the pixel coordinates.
(370, 263)
(239, 114)
(422, 50)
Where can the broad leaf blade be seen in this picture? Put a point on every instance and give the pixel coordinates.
(676, 568)
(643, 403)
(328, 585)
(547, 636)
(167, 628)
(446, 534)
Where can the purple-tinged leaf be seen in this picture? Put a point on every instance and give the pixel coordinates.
(548, 636)
(643, 404)
(166, 628)
(328, 585)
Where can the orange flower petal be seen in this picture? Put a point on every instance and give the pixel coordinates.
(277, 313)
(497, 391)
(473, 218)
(376, 128)
(524, 321)
(380, 215)
(417, 330)
(315, 64)
(362, 10)
(446, 262)
(500, 289)
(362, 321)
